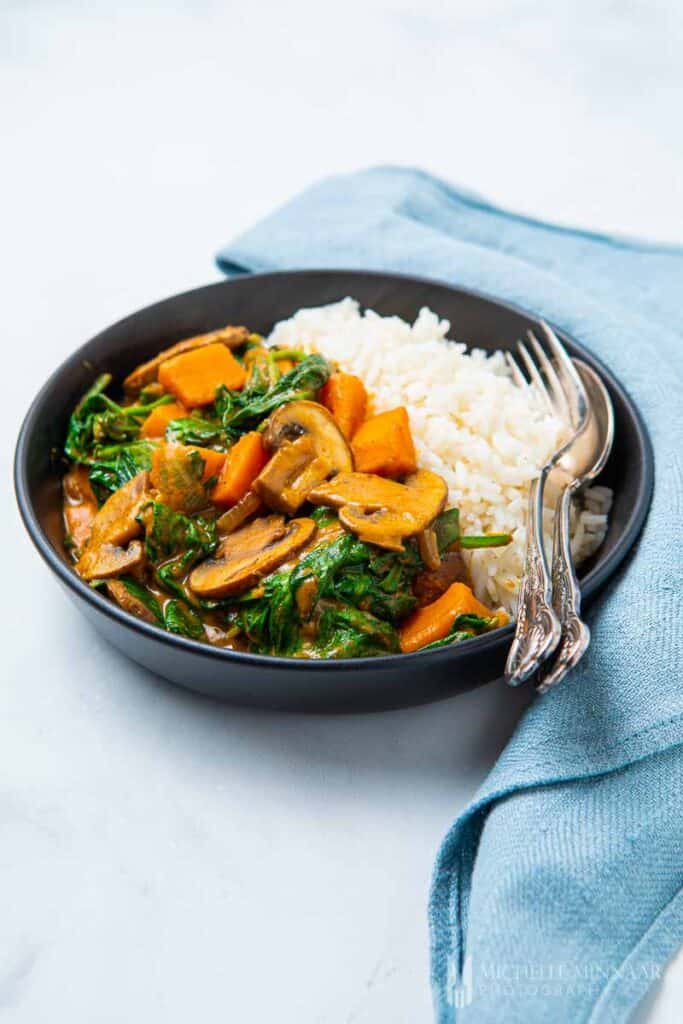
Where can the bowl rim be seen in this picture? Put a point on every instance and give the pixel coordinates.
(593, 580)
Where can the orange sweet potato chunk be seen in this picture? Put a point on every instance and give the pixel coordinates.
(194, 376)
(434, 621)
(245, 461)
(159, 419)
(384, 445)
(345, 396)
(213, 461)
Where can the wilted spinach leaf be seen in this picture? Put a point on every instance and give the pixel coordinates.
(170, 532)
(241, 411)
(485, 540)
(118, 464)
(98, 421)
(347, 632)
(322, 515)
(354, 594)
(182, 619)
(447, 529)
(196, 430)
(143, 595)
(174, 542)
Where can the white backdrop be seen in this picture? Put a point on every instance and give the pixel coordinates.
(163, 858)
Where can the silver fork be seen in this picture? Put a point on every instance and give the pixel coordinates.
(538, 629)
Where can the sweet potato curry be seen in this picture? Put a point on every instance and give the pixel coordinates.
(249, 497)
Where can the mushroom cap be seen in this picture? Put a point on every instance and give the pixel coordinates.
(116, 524)
(249, 554)
(294, 469)
(365, 489)
(382, 511)
(382, 527)
(294, 419)
(107, 560)
(429, 548)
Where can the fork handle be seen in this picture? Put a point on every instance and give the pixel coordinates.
(566, 601)
(537, 633)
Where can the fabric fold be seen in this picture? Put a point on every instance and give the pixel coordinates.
(557, 892)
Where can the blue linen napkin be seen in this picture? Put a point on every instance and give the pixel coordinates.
(557, 894)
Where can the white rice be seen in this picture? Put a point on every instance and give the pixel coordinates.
(487, 438)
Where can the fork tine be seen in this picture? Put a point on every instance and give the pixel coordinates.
(553, 381)
(536, 378)
(573, 385)
(517, 375)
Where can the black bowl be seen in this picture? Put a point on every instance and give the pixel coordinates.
(259, 301)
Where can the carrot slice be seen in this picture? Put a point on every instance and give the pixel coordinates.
(346, 398)
(159, 419)
(194, 376)
(434, 621)
(384, 445)
(245, 461)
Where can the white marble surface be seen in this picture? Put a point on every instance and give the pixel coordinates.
(164, 858)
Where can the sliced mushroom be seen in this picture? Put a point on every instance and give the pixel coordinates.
(381, 511)
(366, 489)
(249, 554)
(297, 419)
(287, 478)
(429, 549)
(80, 506)
(236, 516)
(428, 488)
(380, 526)
(116, 522)
(131, 604)
(114, 526)
(107, 560)
(231, 337)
